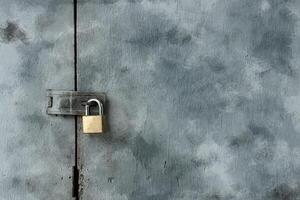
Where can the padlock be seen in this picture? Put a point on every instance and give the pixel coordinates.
(93, 123)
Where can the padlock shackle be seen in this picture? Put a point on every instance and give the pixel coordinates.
(87, 106)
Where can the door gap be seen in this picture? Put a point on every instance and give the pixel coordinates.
(75, 192)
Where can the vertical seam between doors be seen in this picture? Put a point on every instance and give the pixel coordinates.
(76, 172)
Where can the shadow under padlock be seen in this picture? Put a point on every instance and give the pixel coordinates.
(93, 123)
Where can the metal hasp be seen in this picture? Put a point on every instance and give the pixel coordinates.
(71, 102)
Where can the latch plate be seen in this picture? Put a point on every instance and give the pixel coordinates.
(62, 102)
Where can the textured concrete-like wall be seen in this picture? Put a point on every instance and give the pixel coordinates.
(36, 53)
(204, 99)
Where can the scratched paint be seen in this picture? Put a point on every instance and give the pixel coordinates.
(203, 99)
(36, 150)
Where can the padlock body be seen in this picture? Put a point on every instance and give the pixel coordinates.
(92, 124)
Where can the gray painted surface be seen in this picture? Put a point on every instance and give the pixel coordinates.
(203, 99)
(36, 150)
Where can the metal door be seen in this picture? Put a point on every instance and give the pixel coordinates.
(36, 48)
(203, 99)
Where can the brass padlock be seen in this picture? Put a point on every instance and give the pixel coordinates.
(93, 123)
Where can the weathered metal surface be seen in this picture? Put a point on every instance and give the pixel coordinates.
(204, 99)
(36, 150)
(71, 102)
